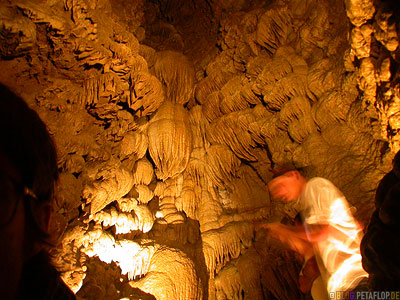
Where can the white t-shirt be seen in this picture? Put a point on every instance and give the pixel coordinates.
(323, 204)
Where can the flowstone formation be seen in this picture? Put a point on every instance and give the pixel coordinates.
(374, 40)
(169, 117)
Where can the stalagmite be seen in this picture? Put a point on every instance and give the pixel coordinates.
(68, 194)
(170, 275)
(73, 263)
(227, 284)
(237, 279)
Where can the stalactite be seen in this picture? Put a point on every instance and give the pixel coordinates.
(209, 211)
(143, 172)
(213, 82)
(257, 65)
(170, 140)
(273, 71)
(222, 245)
(176, 72)
(248, 192)
(325, 112)
(168, 211)
(133, 259)
(133, 144)
(17, 28)
(141, 219)
(224, 131)
(211, 106)
(196, 167)
(221, 164)
(273, 28)
(236, 95)
(188, 200)
(110, 182)
(296, 114)
(322, 77)
(146, 93)
(145, 194)
(198, 123)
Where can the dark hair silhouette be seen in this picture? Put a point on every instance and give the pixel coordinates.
(27, 145)
(28, 160)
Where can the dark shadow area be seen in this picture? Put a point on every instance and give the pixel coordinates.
(380, 246)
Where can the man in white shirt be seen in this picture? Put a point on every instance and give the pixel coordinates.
(329, 232)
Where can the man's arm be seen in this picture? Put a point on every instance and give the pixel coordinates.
(288, 237)
(314, 233)
(311, 232)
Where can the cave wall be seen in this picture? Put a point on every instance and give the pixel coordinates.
(168, 123)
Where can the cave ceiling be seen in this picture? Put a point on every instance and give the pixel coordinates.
(169, 116)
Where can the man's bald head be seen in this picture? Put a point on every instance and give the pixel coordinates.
(287, 187)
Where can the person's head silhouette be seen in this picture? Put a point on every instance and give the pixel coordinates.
(28, 172)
